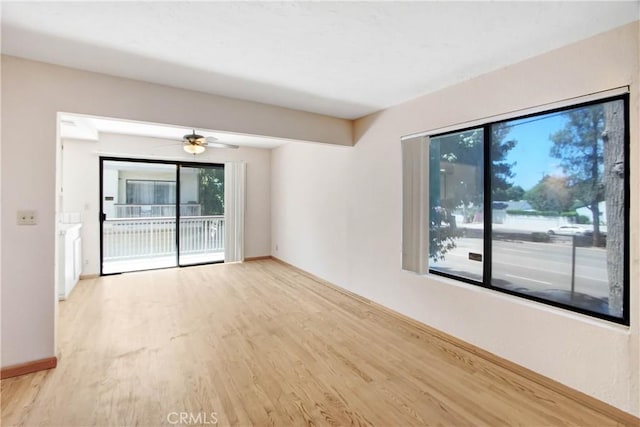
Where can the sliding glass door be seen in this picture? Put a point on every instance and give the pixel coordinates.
(201, 214)
(158, 214)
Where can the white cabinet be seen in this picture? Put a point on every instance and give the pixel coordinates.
(70, 258)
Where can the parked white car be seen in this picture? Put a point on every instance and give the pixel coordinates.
(570, 230)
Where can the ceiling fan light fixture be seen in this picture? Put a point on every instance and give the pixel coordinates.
(193, 149)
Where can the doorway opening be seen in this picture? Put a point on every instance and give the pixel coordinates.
(160, 214)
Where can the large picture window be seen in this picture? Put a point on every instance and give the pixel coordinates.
(537, 206)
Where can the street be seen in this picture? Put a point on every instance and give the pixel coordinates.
(531, 265)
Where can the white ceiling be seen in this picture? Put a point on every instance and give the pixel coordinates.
(344, 59)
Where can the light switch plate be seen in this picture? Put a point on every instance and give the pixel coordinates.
(27, 218)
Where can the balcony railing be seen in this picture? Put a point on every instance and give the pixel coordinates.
(138, 238)
(156, 211)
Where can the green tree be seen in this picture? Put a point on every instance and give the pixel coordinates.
(211, 190)
(501, 172)
(551, 193)
(466, 151)
(515, 193)
(579, 147)
(466, 148)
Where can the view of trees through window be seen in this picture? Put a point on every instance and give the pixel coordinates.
(211, 190)
(557, 205)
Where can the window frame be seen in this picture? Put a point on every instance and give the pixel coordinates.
(487, 256)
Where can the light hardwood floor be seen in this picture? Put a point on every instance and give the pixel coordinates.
(261, 343)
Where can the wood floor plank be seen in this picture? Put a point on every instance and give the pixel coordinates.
(260, 343)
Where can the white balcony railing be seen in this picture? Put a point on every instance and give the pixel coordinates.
(138, 238)
(156, 211)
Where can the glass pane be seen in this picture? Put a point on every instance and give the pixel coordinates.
(456, 192)
(201, 214)
(139, 230)
(558, 206)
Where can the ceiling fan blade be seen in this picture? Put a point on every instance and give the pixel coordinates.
(215, 144)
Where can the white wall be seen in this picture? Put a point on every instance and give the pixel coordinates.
(81, 185)
(75, 188)
(309, 196)
(32, 95)
(363, 190)
(189, 185)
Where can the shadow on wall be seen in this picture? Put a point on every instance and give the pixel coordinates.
(361, 126)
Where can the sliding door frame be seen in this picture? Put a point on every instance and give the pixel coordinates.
(179, 164)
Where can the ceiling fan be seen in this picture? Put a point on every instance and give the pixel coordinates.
(194, 144)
